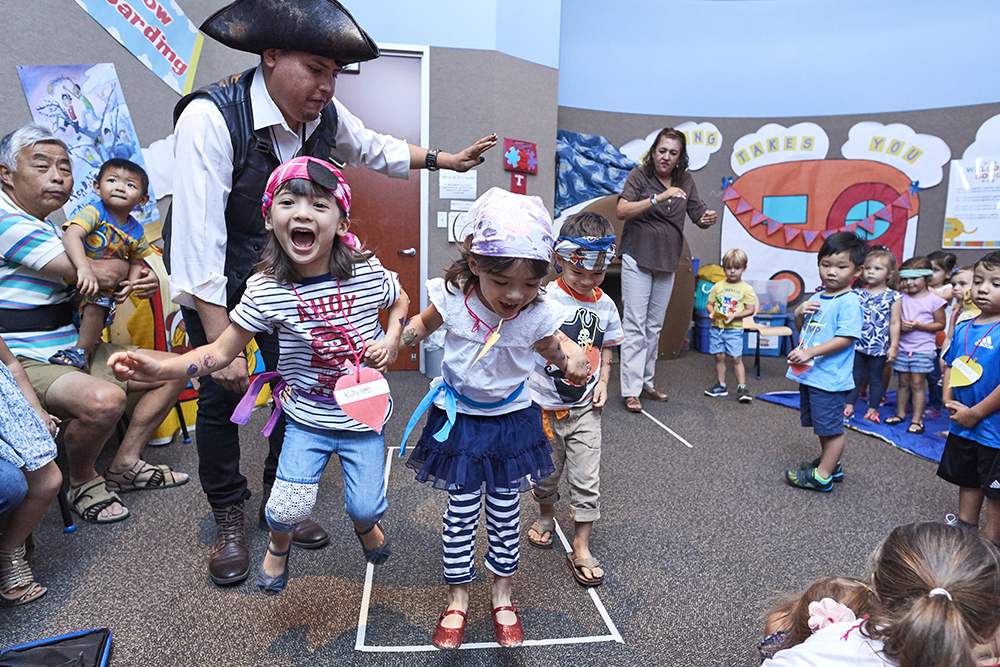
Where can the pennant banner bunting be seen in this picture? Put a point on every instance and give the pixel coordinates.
(729, 194)
(809, 236)
(791, 233)
(743, 207)
(757, 218)
(773, 226)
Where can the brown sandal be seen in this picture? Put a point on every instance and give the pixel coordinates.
(654, 394)
(633, 404)
(91, 498)
(15, 573)
(153, 477)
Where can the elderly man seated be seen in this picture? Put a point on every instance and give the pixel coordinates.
(36, 321)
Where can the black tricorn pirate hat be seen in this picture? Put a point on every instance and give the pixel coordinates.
(320, 27)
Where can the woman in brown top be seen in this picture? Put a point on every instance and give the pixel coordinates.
(654, 202)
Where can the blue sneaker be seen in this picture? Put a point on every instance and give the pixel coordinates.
(838, 471)
(718, 391)
(806, 479)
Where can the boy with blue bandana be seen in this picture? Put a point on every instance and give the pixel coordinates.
(571, 413)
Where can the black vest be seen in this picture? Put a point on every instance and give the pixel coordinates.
(253, 161)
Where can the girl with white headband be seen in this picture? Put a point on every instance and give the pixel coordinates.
(938, 589)
(484, 434)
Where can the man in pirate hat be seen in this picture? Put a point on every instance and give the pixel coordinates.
(230, 136)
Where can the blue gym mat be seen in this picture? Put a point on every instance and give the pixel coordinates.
(928, 445)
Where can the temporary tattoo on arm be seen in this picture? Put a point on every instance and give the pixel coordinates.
(409, 337)
(209, 360)
(192, 370)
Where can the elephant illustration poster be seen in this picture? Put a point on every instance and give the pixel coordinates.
(788, 197)
(972, 214)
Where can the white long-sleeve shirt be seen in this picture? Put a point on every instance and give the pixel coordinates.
(203, 179)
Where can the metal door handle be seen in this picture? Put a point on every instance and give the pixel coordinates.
(409, 252)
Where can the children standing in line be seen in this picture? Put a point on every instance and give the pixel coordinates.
(879, 342)
(923, 316)
(938, 590)
(828, 600)
(823, 362)
(323, 294)
(26, 432)
(571, 413)
(971, 458)
(102, 231)
(730, 301)
(484, 434)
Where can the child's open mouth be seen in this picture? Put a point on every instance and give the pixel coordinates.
(303, 239)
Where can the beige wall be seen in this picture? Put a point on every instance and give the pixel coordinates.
(474, 93)
(956, 126)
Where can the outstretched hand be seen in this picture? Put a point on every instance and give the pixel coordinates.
(130, 365)
(472, 156)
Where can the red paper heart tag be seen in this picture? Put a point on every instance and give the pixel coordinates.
(799, 369)
(594, 357)
(365, 401)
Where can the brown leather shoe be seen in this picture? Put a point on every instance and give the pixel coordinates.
(307, 535)
(229, 562)
(633, 404)
(654, 394)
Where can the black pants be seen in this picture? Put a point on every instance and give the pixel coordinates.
(867, 366)
(218, 438)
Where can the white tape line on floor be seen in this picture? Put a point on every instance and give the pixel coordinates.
(359, 643)
(667, 429)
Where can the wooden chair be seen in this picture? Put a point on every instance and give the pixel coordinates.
(749, 324)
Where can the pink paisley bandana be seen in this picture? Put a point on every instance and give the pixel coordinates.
(310, 169)
(503, 224)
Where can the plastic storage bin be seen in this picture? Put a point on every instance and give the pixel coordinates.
(702, 326)
(770, 346)
(772, 297)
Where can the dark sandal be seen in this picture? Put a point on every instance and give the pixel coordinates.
(541, 544)
(915, 429)
(71, 356)
(379, 554)
(15, 573)
(267, 584)
(575, 565)
(91, 498)
(893, 420)
(159, 477)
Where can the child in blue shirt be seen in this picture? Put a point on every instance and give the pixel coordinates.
(823, 362)
(971, 458)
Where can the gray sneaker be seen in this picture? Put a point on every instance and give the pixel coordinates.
(744, 394)
(717, 391)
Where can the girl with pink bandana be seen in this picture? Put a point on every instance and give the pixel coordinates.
(323, 294)
(484, 434)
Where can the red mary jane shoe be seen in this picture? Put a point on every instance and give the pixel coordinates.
(508, 635)
(448, 638)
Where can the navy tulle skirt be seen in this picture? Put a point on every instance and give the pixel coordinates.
(496, 453)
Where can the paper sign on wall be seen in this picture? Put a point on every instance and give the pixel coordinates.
(158, 33)
(453, 185)
(84, 106)
(972, 216)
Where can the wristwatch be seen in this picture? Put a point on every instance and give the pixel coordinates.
(431, 161)
(652, 200)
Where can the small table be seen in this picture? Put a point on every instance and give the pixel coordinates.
(750, 325)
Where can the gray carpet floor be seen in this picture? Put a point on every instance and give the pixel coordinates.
(696, 542)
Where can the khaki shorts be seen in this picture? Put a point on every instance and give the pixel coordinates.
(42, 374)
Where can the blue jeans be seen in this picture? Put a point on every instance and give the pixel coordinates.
(307, 450)
(13, 487)
(867, 366)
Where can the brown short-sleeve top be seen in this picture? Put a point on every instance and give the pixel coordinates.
(655, 238)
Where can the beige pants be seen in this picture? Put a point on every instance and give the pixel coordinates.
(576, 449)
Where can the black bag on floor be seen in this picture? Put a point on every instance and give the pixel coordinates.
(90, 648)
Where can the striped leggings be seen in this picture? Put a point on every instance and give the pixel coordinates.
(459, 535)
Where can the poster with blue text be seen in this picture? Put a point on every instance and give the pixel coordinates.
(158, 33)
(84, 106)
